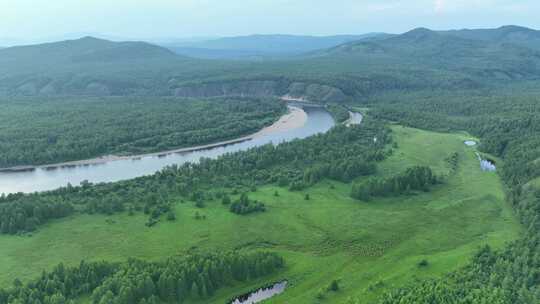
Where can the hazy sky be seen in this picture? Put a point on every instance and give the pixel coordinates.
(27, 20)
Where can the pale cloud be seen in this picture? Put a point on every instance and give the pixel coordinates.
(440, 6)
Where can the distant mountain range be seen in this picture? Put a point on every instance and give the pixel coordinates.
(421, 38)
(261, 46)
(373, 62)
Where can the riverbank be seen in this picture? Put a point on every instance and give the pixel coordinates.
(295, 118)
(290, 98)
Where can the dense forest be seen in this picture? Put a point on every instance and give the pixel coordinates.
(344, 153)
(508, 122)
(64, 129)
(136, 281)
(413, 179)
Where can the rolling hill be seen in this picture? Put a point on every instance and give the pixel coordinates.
(84, 66)
(422, 47)
(87, 49)
(510, 34)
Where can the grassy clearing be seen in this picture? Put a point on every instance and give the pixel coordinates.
(369, 246)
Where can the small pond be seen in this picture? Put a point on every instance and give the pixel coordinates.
(487, 165)
(261, 294)
(355, 118)
(470, 143)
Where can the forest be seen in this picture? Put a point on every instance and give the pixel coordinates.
(413, 179)
(136, 281)
(508, 123)
(57, 130)
(245, 206)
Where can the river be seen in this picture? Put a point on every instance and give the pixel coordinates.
(43, 178)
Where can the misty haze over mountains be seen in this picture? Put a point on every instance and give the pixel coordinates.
(257, 47)
(239, 47)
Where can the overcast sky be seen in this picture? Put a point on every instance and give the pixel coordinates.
(32, 20)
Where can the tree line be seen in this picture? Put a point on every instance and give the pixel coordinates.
(417, 178)
(175, 280)
(27, 215)
(246, 206)
(54, 130)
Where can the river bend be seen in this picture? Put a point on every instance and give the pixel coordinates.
(43, 178)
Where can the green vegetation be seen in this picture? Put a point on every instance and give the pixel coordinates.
(508, 124)
(175, 280)
(66, 129)
(246, 206)
(413, 179)
(339, 112)
(373, 247)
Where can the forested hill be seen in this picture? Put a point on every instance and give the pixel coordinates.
(88, 66)
(424, 49)
(418, 59)
(506, 34)
(84, 50)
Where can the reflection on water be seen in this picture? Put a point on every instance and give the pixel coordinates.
(261, 294)
(319, 121)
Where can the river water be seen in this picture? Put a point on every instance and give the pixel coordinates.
(318, 121)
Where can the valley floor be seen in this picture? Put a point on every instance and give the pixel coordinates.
(370, 247)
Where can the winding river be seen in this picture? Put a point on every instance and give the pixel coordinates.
(313, 120)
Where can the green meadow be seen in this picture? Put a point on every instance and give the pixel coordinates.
(370, 247)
